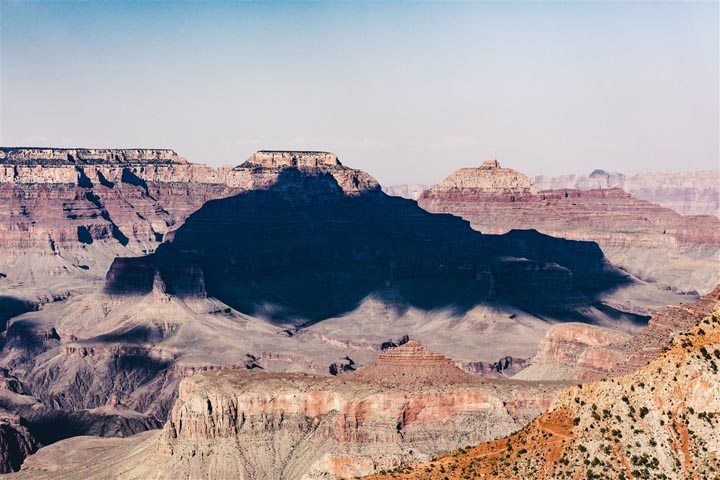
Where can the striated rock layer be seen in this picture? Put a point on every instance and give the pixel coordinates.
(662, 421)
(574, 351)
(69, 212)
(651, 242)
(254, 425)
(688, 193)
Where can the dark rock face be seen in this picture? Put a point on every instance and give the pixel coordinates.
(16, 442)
(311, 252)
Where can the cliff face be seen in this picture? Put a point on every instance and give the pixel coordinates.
(69, 212)
(658, 422)
(585, 352)
(16, 442)
(688, 193)
(252, 425)
(651, 242)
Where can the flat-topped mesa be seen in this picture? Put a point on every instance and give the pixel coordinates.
(488, 179)
(412, 365)
(263, 169)
(282, 158)
(22, 156)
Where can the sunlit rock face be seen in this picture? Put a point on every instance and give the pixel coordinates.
(409, 406)
(574, 351)
(647, 240)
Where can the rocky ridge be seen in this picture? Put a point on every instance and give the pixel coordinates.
(249, 424)
(575, 351)
(70, 212)
(661, 421)
(653, 243)
(688, 193)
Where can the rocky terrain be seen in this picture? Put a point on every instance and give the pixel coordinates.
(661, 421)
(289, 262)
(574, 351)
(16, 442)
(688, 193)
(408, 406)
(653, 243)
(70, 212)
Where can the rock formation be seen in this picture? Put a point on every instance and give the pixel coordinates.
(658, 422)
(250, 424)
(651, 242)
(574, 351)
(688, 193)
(70, 212)
(16, 442)
(293, 263)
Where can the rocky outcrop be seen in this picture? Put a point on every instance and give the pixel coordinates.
(574, 351)
(658, 422)
(490, 178)
(16, 442)
(250, 424)
(299, 159)
(69, 212)
(413, 366)
(688, 193)
(504, 367)
(584, 352)
(651, 242)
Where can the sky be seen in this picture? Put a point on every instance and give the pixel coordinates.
(407, 91)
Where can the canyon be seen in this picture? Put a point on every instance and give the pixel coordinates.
(581, 352)
(139, 290)
(652, 243)
(411, 404)
(660, 421)
(688, 193)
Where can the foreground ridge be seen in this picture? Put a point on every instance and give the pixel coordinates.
(661, 421)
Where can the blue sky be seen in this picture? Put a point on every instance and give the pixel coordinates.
(408, 91)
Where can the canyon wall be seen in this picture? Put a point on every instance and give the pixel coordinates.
(653, 243)
(246, 424)
(575, 351)
(688, 193)
(70, 212)
(660, 421)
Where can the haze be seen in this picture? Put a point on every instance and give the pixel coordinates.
(406, 91)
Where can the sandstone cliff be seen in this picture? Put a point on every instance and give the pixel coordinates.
(688, 193)
(256, 425)
(653, 243)
(658, 422)
(585, 352)
(71, 211)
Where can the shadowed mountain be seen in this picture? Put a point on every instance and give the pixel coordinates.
(303, 250)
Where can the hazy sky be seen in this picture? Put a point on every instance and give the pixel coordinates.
(406, 91)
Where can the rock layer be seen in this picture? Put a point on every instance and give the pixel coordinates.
(585, 352)
(71, 211)
(252, 425)
(651, 242)
(688, 193)
(658, 422)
